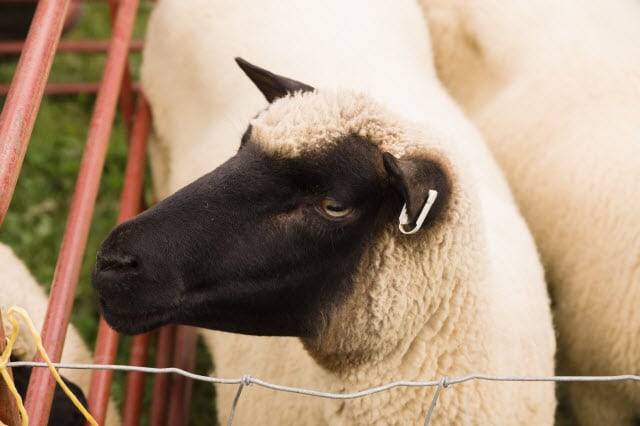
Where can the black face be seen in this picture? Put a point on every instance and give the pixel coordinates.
(262, 245)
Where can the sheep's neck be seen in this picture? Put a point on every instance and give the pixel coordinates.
(406, 310)
(444, 345)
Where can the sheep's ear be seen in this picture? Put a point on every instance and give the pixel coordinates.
(424, 186)
(271, 85)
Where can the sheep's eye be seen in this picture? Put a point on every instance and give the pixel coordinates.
(334, 208)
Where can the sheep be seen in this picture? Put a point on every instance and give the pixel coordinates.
(19, 288)
(465, 294)
(555, 88)
(312, 198)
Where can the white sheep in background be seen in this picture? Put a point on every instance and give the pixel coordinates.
(464, 295)
(19, 288)
(555, 89)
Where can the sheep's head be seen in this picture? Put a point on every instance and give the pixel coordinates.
(269, 242)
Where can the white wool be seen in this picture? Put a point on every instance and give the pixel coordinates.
(555, 89)
(480, 303)
(19, 288)
(197, 92)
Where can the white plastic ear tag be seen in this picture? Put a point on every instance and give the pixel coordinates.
(404, 220)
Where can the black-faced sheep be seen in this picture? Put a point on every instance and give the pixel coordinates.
(555, 89)
(19, 288)
(297, 234)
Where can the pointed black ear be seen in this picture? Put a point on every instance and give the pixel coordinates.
(414, 178)
(271, 85)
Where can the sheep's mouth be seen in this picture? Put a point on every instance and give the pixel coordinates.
(134, 321)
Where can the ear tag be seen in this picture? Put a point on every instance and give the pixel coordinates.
(404, 220)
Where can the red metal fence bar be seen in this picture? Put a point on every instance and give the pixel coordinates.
(164, 345)
(107, 341)
(126, 93)
(105, 353)
(37, 1)
(135, 381)
(23, 99)
(38, 402)
(180, 391)
(68, 88)
(70, 46)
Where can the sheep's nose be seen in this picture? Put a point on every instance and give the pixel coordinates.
(116, 262)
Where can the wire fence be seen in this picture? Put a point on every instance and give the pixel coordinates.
(248, 380)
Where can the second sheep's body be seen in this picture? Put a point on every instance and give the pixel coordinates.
(555, 89)
(19, 288)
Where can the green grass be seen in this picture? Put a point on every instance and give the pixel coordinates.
(36, 219)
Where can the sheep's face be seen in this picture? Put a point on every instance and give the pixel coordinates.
(268, 243)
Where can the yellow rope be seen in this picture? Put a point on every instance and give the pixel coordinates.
(4, 358)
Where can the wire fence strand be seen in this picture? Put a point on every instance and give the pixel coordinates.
(444, 382)
(248, 380)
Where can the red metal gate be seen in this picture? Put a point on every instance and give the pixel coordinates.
(23, 96)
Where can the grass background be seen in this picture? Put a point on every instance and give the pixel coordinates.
(36, 219)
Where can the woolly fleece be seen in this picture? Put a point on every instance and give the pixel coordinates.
(555, 89)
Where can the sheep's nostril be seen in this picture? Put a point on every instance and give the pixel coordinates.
(116, 262)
